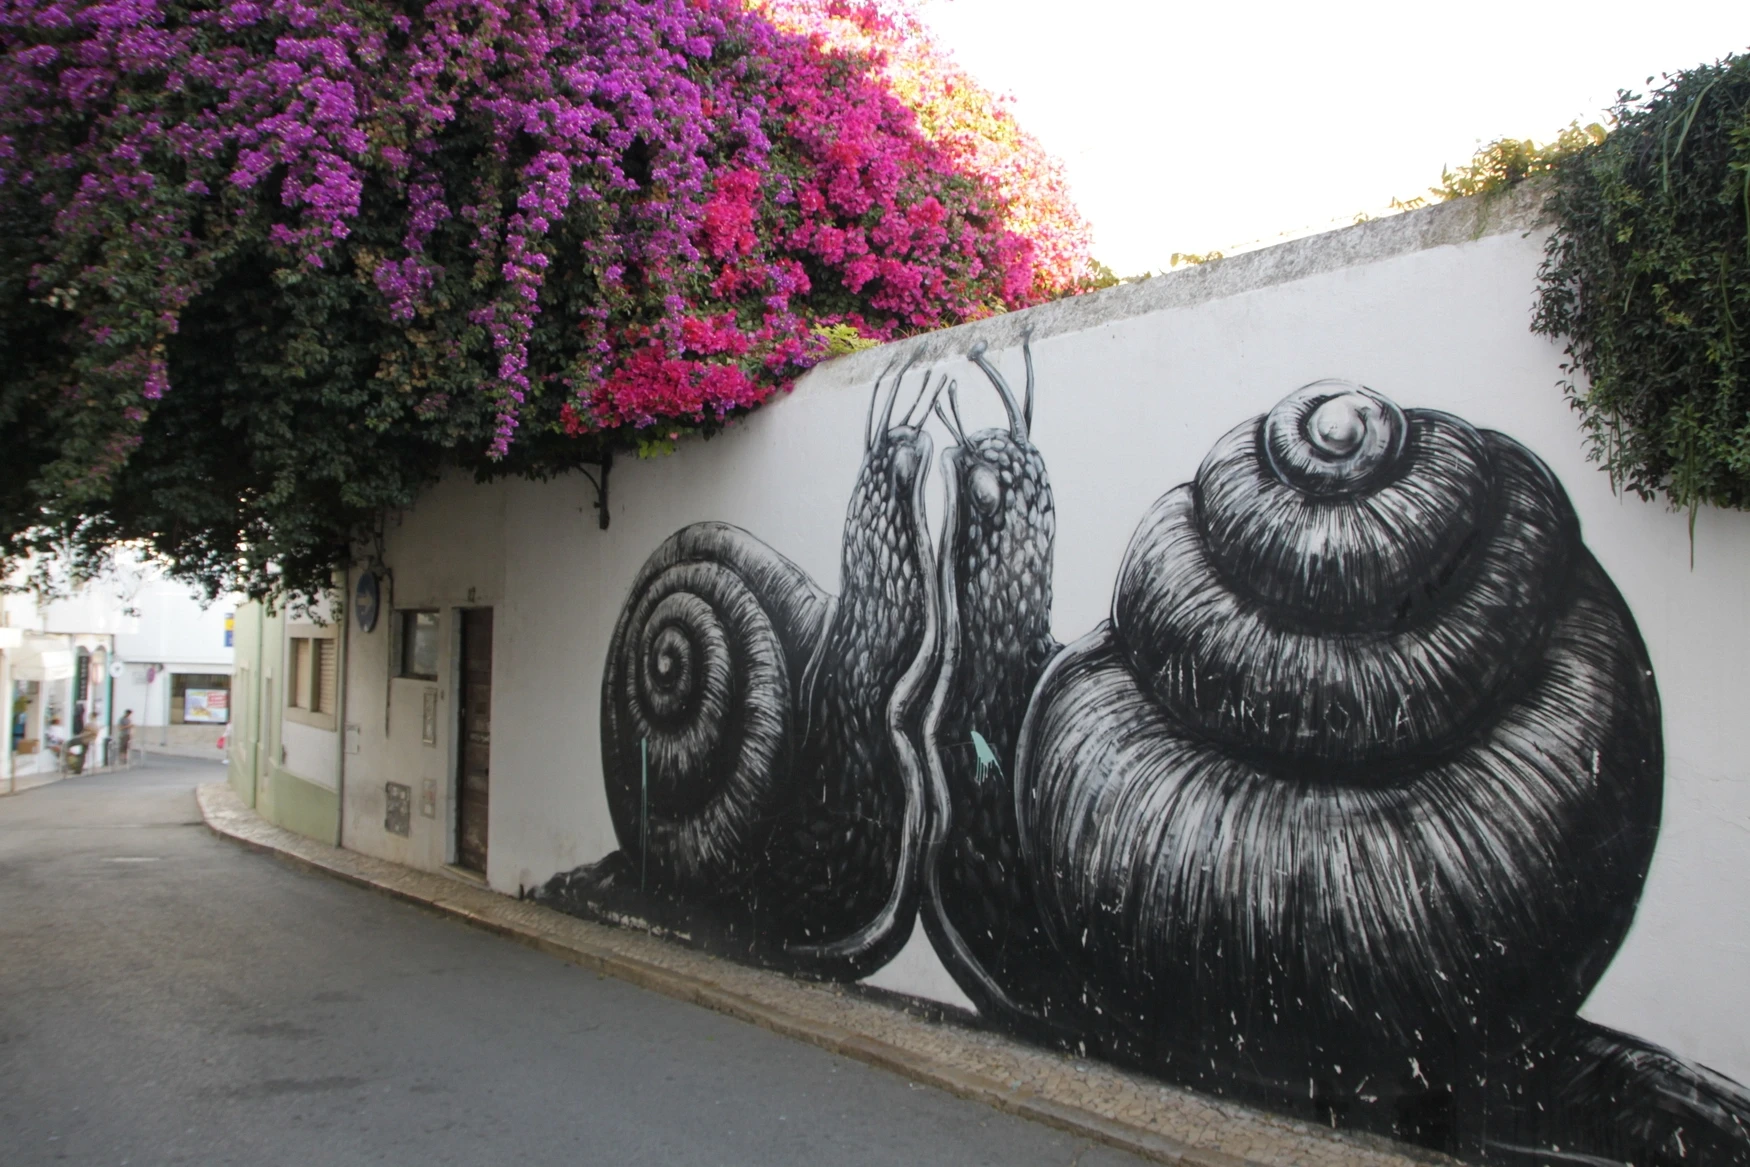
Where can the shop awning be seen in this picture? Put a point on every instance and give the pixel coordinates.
(34, 663)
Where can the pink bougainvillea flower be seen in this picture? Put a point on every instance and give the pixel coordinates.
(608, 216)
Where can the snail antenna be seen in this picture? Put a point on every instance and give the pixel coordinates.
(869, 422)
(942, 415)
(934, 397)
(952, 424)
(1017, 424)
(954, 404)
(892, 396)
(922, 389)
(1027, 402)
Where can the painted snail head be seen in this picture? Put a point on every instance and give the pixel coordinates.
(1364, 771)
(1000, 517)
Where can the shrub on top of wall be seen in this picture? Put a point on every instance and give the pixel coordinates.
(267, 266)
(1648, 277)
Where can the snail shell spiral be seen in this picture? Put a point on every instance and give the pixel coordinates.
(1363, 775)
(703, 674)
(757, 746)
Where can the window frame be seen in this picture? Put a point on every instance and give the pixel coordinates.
(302, 687)
(179, 684)
(405, 621)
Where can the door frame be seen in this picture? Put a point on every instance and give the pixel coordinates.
(451, 691)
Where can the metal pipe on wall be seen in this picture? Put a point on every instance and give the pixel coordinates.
(342, 653)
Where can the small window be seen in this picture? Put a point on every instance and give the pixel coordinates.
(298, 673)
(312, 676)
(419, 645)
(200, 698)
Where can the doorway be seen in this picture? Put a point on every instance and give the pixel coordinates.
(474, 739)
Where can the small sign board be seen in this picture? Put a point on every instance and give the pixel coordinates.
(206, 706)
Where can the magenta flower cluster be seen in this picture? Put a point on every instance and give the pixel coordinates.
(662, 203)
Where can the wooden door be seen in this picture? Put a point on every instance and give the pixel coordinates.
(474, 741)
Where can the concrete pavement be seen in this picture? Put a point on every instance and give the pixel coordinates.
(169, 998)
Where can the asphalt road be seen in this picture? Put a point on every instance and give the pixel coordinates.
(168, 997)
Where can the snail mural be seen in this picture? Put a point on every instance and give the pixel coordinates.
(1344, 809)
(762, 773)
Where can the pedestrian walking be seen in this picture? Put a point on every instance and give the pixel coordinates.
(79, 748)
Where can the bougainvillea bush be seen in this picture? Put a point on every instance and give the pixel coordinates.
(268, 266)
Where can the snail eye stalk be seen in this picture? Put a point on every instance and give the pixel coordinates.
(953, 429)
(1017, 422)
(869, 422)
(926, 399)
(892, 396)
(954, 404)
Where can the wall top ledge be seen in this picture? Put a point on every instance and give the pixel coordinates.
(1521, 208)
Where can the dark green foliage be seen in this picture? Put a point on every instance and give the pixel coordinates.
(1647, 276)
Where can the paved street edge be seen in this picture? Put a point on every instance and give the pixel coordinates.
(227, 816)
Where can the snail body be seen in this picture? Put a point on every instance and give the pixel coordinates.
(1362, 777)
(995, 583)
(757, 745)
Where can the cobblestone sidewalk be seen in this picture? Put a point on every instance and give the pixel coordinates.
(1086, 1098)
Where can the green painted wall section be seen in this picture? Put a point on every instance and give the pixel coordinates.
(248, 660)
(257, 698)
(304, 807)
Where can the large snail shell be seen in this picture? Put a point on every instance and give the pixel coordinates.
(1368, 757)
(702, 674)
(1324, 610)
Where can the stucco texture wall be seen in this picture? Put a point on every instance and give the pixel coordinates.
(1135, 389)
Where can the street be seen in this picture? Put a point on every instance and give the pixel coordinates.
(169, 997)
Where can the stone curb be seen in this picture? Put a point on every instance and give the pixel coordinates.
(1285, 1142)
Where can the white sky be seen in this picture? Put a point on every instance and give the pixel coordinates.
(1199, 126)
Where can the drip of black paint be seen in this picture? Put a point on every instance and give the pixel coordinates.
(643, 813)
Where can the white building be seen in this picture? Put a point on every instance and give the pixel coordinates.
(129, 642)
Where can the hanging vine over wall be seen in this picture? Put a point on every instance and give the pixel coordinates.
(1647, 276)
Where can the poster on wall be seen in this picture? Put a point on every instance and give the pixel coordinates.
(206, 706)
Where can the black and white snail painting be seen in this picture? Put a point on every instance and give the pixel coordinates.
(758, 741)
(1344, 810)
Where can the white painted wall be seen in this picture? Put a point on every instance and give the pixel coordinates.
(311, 753)
(445, 554)
(1134, 388)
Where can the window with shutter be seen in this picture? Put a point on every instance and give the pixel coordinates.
(325, 677)
(312, 676)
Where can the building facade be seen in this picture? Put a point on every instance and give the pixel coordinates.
(130, 643)
(1242, 675)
